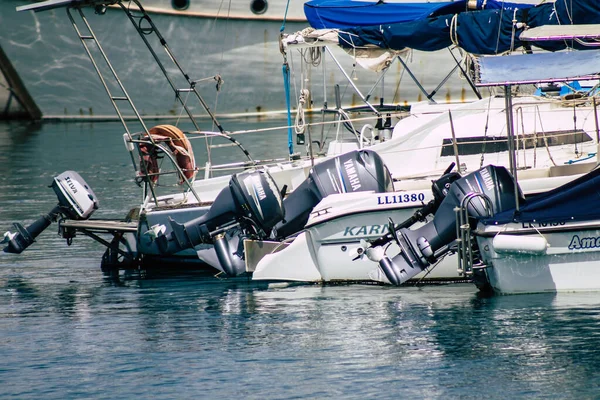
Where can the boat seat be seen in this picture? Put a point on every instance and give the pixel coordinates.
(571, 169)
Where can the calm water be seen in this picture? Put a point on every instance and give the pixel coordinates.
(66, 331)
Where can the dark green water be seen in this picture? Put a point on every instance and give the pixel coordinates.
(67, 331)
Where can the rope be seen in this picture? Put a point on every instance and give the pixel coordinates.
(300, 124)
(314, 56)
(567, 8)
(453, 30)
(544, 136)
(287, 6)
(285, 69)
(514, 30)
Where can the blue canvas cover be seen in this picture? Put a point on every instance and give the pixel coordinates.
(488, 31)
(578, 200)
(342, 14)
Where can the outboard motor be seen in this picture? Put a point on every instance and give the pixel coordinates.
(76, 200)
(423, 246)
(252, 201)
(359, 170)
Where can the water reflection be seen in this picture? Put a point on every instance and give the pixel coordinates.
(432, 340)
(14, 135)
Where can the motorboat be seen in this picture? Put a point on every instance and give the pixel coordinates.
(428, 140)
(506, 243)
(550, 244)
(327, 249)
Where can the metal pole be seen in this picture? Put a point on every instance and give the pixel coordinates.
(325, 104)
(466, 75)
(597, 130)
(511, 140)
(414, 78)
(454, 144)
(363, 98)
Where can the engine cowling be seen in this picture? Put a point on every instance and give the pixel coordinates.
(252, 200)
(359, 170)
(76, 200)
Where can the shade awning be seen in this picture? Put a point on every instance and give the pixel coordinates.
(537, 68)
(561, 32)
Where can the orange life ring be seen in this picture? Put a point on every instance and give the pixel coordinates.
(179, 145)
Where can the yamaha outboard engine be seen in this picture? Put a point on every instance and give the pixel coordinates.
(423, 246)
(359, 170)
(252, 201)
(76, 200)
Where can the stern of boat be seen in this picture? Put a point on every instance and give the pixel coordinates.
(522, 258)
(276, 261)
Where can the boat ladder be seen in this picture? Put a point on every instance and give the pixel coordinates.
(118, 94)
(121, 99)
(468, 255)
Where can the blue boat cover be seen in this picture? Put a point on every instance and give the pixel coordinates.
(343, 14)
(427, 26)
(578, 200)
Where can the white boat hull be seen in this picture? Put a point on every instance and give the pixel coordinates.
(325, 251)
(570, 263)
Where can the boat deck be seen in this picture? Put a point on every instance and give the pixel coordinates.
(93, 228)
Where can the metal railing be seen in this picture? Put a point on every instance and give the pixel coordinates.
(468, 254)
